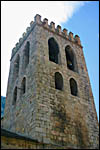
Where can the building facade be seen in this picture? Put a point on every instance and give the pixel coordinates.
(49, 96)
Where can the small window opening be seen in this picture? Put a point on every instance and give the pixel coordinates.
(15, 96)
(58, 81)
(71, 59)
(24, 85)
(16, 67)
(73, 87)
(26, 54)
(54, 54)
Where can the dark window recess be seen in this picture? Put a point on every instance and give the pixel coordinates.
(71, 59)
(73, 87)
(58, 81)
(26, 54)
(24, 85)
(14, 96)
(53, 51)
(16, 67)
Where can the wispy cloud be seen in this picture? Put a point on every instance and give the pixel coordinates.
(70, 7)
(58, 11)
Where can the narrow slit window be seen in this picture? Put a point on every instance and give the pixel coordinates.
(26, 54)
(16, 67)
(23, 85)
(14, 96)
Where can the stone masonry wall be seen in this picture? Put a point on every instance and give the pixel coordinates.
(64, 118)
(21, 117)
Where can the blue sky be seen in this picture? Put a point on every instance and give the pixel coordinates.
(85, 23)
(79, 17)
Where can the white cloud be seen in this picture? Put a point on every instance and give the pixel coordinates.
(15, 18)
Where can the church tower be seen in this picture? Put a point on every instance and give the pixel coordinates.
(49, 96)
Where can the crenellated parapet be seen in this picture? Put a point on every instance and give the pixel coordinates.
(23, 38)
(57, 30)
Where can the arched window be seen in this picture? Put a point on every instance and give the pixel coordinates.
(71, 59)
(14, 96)
(73, 87)
(16, 66)
(58, 81)
(23, 85)
(26, 54)
(54, 54)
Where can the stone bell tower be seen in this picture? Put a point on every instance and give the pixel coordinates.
(49, 95)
